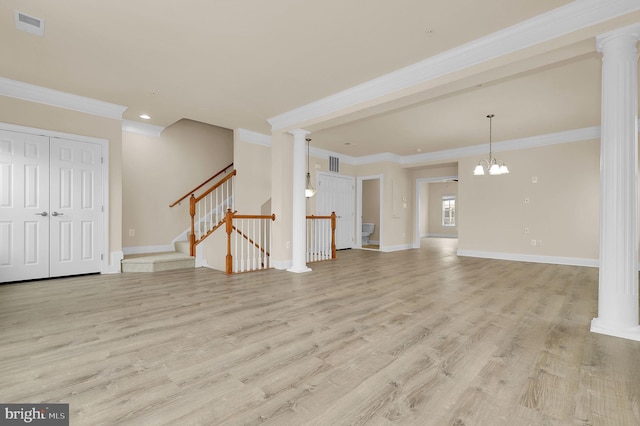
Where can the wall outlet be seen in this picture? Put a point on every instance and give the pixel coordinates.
(526, 230)
(534, 243)
(526, 200)
(132, 232)
(534, 179)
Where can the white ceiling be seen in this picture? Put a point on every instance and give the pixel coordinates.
(236, 64)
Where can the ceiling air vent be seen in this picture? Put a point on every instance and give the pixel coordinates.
(29, 24)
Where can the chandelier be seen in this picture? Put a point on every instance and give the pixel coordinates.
(492, 165)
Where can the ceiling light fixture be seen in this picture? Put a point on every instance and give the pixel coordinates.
(492, 165)
(309, 190)
(145, 116)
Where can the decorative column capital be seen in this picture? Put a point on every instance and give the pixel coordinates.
(629, 34)
(299, 133)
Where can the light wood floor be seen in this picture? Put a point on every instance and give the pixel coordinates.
(418, 337)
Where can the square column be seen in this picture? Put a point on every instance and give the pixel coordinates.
(618, 279)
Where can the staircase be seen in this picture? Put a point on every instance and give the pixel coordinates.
(180, 258)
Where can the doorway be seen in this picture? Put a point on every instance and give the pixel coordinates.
(370, 212)
(429, 208)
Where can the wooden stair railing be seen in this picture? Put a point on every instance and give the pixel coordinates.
(193, 191)
(252, 249)
(208, 210)
(321, 237)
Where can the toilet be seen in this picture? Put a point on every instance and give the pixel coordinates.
(367, 230)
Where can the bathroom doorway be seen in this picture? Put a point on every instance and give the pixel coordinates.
(370, 214)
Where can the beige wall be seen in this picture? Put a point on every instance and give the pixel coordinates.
(436, 191)
(371, 206)
(253, 163)
(562, 211)
(159, 170)
(281, 198)
(31, 114)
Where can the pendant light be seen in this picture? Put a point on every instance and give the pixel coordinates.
(492, 165)
(309, 190)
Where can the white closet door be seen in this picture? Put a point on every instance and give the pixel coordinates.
(337, 194)
(24, 206)
(75, 207)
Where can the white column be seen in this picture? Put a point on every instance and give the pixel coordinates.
(618, 287)
(299, 208)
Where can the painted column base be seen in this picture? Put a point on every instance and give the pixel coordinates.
(601, 327)
(299, 270)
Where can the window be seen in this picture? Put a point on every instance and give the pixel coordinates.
(448, 210)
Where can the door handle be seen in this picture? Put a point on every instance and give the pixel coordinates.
(41, 214)
(57, 214)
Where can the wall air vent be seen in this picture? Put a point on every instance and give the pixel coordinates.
(29, 24)
(334, 164)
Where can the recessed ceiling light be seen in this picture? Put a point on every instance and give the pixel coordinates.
(145, 116)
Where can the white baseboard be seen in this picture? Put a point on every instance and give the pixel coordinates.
(147, 249)
(442, 235)
(389, 249)
(114, 266)
(554, 260)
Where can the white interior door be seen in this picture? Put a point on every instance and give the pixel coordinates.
(50, 207)
(24, 206)
(76, 207)
(337, 194)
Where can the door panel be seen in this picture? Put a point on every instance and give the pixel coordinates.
(76, 207)
(24, 206)
(337, 194)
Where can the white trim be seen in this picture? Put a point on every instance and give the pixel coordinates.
(442, 235)
(56, 98)
(400, 247)
(556, 23)
(142, 128)
(518, 257)
(147, 249)
(115, 267)
(600, 327)
(106, 266)
(253, 137)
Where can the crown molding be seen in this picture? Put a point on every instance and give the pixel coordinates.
(253, 137)
(576, 135)
(43, 95)
(547, 26)
(142, 128)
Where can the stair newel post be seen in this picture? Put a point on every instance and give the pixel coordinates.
(192, 236)
(229, 227)
(333, 235)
